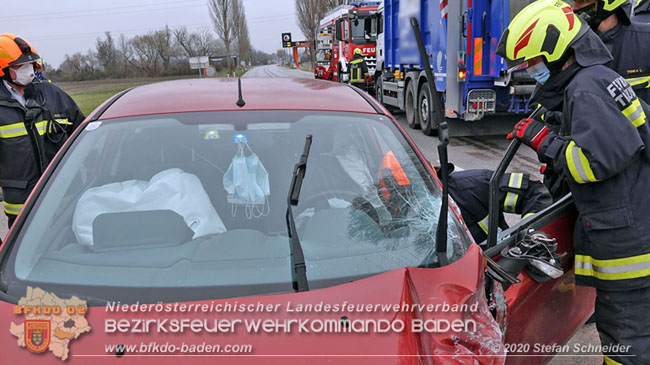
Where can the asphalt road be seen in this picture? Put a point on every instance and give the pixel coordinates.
(278, 71)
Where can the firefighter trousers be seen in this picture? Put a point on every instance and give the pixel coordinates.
(623, 322)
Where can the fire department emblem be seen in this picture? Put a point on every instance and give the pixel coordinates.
(37, 335)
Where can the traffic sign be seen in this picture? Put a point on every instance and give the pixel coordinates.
(286, 40)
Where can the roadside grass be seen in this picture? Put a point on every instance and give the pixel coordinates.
(90, 94)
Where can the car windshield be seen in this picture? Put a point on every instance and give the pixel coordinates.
(364, 29)
(167, 206)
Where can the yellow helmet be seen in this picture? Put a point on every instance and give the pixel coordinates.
(358, 51)
(600, 10)
(544, 28)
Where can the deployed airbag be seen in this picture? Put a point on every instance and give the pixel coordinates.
(171, 189)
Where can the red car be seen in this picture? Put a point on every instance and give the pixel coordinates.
(283, 221)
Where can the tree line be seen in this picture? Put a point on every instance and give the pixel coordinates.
(165, 52)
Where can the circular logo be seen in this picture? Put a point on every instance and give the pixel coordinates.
(286, 38)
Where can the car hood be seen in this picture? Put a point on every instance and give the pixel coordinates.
(459, 283)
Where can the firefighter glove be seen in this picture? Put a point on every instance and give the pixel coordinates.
(530, 132)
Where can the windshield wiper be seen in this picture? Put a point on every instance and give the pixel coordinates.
(297, 256)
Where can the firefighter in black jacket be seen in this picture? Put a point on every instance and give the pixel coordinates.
(642, 11)
(627, 41)
(470, 189)
(358, 70)
(603, 150)
(35, 120)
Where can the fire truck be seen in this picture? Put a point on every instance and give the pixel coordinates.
(342, 30)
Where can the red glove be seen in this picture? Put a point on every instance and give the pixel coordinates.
(530, 132)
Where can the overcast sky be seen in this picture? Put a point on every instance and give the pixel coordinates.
(59, 27)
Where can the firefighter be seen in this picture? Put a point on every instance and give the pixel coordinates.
(518, 194)
(358, 70)
(39, 68)
(603, 151)
(626, 40)
(35, 119)
(642, 11)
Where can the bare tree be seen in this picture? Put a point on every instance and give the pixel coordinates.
(195, 44)
(309, 13)
(126, 51)
(162, 42)
(107, 55)
(146, 55)
(222, 13)
(241, 31)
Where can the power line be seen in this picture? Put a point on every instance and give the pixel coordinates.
(113, 13)
(69, 13)
(83, 35)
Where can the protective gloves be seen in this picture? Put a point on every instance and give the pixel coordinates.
(530, 132)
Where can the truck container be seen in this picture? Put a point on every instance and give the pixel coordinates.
(461, 38)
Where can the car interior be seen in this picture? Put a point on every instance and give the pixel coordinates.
(343, 240)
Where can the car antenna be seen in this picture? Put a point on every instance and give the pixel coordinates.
(241, 101)
(443, 135)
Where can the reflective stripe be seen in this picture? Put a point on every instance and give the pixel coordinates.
(610, 361)
(13, 130)
(354, 62)
(527, 215)
(63, 121)
(635, 113)
(613, 269)
(484, 224)
(478, 56)
(40, 127)
(634, 81)
(13, 209)
(516, 180)
(511, 202)
(18, 129)
(578, 164)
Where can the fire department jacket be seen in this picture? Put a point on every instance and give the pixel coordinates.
(470, 189)
(603, 150)
(642, 12)
(358, 69)
(25, 149)
(629, 44)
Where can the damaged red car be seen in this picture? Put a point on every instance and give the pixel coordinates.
(292, 220)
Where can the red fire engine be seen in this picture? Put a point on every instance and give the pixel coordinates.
(343, 30)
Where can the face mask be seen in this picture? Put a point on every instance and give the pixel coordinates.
(539, 72)
(24, 75)
(247, 183)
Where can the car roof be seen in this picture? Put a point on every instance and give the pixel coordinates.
(221, 94)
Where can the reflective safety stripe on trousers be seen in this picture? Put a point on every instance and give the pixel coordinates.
(609, 361)
(18, 129)
(578, 164)
(614, 269)
(13, 209)
(510, 203)
(484, 223)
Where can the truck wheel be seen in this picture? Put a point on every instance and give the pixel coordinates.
(409, 108)
(379, 89)
(427, 117)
